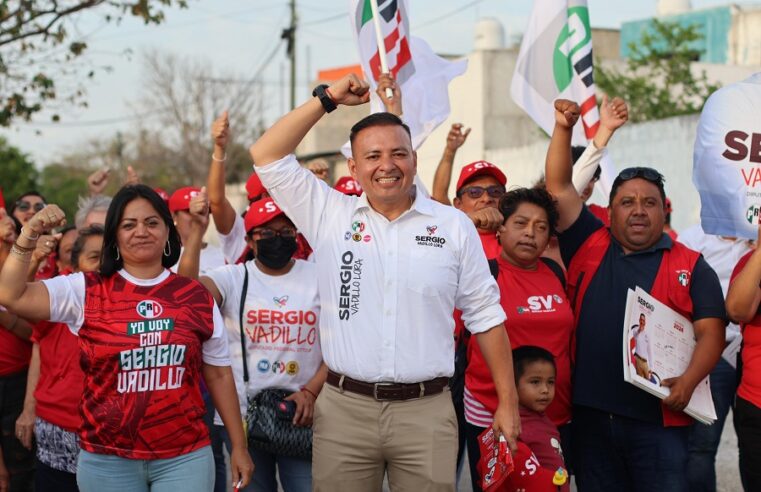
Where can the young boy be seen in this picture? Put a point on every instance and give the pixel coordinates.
(539, 464)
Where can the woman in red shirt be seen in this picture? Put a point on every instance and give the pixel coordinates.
(743, 300)
(538, 312)
(146, 337)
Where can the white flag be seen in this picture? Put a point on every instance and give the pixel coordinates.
(423, 77)
(555, 62)
(727, 160)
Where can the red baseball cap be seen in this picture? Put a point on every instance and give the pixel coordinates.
(254, 187)
(180, 199)
(480, 168)
(163, 194)
(348, 186)
(260, 212)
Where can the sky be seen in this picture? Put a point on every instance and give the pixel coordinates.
(238, 36)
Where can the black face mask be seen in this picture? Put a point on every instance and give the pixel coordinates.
(276, 252)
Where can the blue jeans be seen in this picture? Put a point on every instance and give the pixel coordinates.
(704, 439)
(191, 472)
(295, 473)
(220, 468)
(626, 455)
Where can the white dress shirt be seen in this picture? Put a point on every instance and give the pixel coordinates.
(388, 288)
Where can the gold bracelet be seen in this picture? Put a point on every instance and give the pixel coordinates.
(22, 253)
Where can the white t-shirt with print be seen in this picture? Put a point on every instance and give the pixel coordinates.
(280, 325)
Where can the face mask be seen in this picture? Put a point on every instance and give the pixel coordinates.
(276, 252)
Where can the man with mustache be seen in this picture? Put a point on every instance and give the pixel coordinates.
(623, 437)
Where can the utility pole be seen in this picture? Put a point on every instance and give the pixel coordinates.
(289, 34)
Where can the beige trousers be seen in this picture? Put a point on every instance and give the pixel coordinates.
(357, 439)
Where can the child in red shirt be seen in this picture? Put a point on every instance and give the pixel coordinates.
(539, 464)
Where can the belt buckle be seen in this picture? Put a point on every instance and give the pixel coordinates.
(375, 391)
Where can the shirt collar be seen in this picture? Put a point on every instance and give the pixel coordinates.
(422, 204)
(664, 243)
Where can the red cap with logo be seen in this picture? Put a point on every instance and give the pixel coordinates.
(348, 186)
(163, 194)
(260, 212)
(180, 199)
(254, 187)
(480, 168)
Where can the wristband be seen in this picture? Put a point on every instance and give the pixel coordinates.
(304, 388)
(326, 100)
(223, 159)
(29, 236)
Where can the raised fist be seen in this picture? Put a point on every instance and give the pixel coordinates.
(566, 113)
(488, 219)
(350, 91)
(46, 244)
(46, 219)
(220, 130)
(97, 181)
(7, 228)
(392, 104)
(613, 113)
(199, 208)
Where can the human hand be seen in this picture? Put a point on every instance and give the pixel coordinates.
(457, 137)
(46, 219)
(566, 113)
(614, 113)
(319, 168)
(681, 392)
(97, 181)
(392, 104)
(241, 466)
(350, 91)
(220, 130)
(304, 407)
(507, 422)
(488, 219)
(25, 428)
(7, 228)
(199, 208)
(132, 177)
(46, 245)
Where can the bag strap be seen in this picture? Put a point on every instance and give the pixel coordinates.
(240, 323)
(494, 267)
(556, 269)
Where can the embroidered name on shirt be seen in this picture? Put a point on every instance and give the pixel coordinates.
(430, 239)
(350, 275)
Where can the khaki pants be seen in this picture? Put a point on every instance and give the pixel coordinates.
(357, 439)
(643, 370)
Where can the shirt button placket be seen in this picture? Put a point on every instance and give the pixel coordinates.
(390, 282)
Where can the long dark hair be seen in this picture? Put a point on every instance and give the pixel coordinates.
(109, 264)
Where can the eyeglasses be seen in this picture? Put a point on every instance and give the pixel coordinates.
(647, 173)
(474, 192)
(24, 205)
(266, 233)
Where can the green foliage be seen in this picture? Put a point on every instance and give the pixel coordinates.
(17, 172)
(658, 82)
(63, 185)
(38, 58)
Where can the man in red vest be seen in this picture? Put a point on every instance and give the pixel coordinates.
(623, 437)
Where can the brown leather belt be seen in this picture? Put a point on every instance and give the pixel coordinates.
(388, 391)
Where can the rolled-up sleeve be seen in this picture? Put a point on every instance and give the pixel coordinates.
(67, 300)
(216, 351)
(477, 292)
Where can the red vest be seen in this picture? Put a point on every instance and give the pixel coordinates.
(670, 287)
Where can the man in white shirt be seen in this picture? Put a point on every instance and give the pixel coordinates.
(392, 265)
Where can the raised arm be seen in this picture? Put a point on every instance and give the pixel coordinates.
(221, 209)
(393, 105)
(443, 176)
(283, 137)
(28, 300)
(744, 294)
(557, 168)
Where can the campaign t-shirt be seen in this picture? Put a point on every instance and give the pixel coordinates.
(211, 257)
(14, 353)
(61, 384)
(143, 343)
(491, 245)
(543, 438)
(750, 384)
(280, 326)
(539, 314)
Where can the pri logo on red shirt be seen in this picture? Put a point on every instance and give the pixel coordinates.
(149, 309)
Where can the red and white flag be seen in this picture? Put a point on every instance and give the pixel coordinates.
(555, 61)
(423, 77)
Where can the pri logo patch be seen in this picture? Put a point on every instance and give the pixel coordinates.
(280, 301)
(149, 309)
(357, 228)
(683, 277)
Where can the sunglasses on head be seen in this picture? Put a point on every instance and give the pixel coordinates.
(646, 173)
(494, 191)
(24, 205)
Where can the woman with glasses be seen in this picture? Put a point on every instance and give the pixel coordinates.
(271, 309)
(146, 337)
(26, 206)
(532, 293)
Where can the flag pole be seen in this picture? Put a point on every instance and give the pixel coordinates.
(381, 44)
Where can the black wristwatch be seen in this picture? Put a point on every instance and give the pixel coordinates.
(320, 93)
